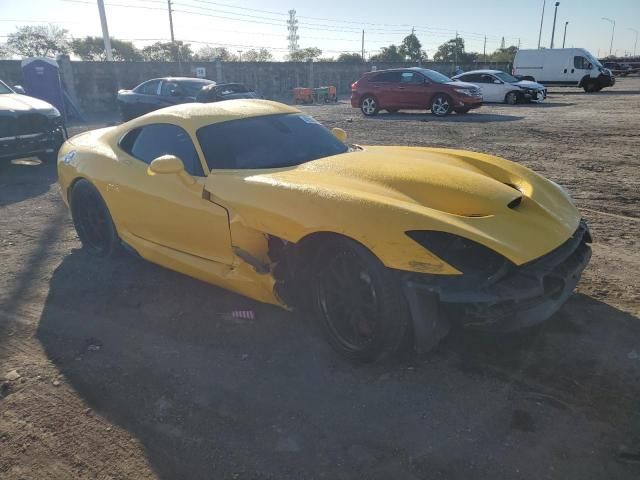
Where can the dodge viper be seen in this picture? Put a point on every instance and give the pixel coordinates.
(387, 246)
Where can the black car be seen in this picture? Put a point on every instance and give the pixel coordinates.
(224, 91)
(28, 126)
(159, 93)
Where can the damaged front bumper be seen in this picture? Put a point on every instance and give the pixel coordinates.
(520, 297)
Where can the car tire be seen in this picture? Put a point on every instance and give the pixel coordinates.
(441, 105)
(511, 98)
(369, 106)
(462, 111)
(590, 86)
(92, 220)
(358, 302)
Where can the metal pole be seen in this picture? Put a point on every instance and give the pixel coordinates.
(363, 44)
(613, 30)
(565, 33)
(544, 3)
(455, 51)
(105, 31)
(485, 49)
(553, 31)
(636, 44)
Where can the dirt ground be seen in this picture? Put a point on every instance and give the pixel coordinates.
(123, 369)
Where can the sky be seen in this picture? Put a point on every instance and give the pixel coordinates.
(335, 26)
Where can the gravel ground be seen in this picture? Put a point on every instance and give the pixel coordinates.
(123, 369)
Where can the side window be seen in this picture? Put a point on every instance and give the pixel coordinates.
(581, 63)
(148, 88)
(472, 77)
(486, 78)
(386, 77)
(411, 77)
(169, 87)
(153, 141)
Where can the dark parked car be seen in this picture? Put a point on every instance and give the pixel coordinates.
(159, 93)
(28, 126)
(224, 91)
(413, 88)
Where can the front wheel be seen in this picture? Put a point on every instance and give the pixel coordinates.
(441, 105)
(369, 106)
(92, 220)
(590, 86)
(511, 98)
(358, 302)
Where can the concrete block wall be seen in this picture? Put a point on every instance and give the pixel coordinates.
(94, 85)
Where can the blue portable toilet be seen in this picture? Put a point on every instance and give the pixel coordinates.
(42, 80)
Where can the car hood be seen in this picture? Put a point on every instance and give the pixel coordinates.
(498, 203)
(17, 103)
(460, 84)
(529, 84)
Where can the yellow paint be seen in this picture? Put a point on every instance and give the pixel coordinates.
(372, 196)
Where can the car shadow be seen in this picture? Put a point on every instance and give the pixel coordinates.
(472, 117)
(25, 178)
(213, 396)
(545, 105)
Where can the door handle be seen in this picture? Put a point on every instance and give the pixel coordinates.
(401, 88)
(572, 70)
(565, 70)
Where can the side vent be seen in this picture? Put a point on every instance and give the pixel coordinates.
(515, 203)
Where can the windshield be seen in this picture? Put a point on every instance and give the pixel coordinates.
(4, 89)
(435, 77)
(505, 77)
(267, 142)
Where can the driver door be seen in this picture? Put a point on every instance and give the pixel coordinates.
(493, 90)
(169, 209)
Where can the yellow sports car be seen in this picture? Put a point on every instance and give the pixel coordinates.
(388, 245)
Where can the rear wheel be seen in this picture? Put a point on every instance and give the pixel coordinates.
(511, 98)
(92, 220)
(441, 105)
(369, 106)
(358, 302)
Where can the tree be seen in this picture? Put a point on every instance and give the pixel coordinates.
(453, 51)
(4, 52)
(412, 49)
(39, 41)
(350, 58)
(262, 55)
(389, 54)
(167, 52)
(211, 54)
(92, 48)
(305, 54)
(505, 55)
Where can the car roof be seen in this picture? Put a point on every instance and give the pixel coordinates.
(178, 79)
(196, 115)
(480, 71)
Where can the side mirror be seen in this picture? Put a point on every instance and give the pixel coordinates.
(167, 164)
(174, 93)
(340, 134)
(19, 89)
(497, 82)
(170, 164)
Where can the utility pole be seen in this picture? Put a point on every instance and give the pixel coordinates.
(292, 28)
(564, 38)
(636, 44)
(553, 31)
(613, 31)
(455, 52)
(484, 50)
(518, 44)
(363, 44)
(544, 3)
(105, 31)
(173, 38)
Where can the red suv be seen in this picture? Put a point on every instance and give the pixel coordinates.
(413, 88)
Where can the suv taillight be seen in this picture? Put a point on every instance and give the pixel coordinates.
(354, 86)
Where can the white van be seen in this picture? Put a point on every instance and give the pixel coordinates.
(563, 66)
